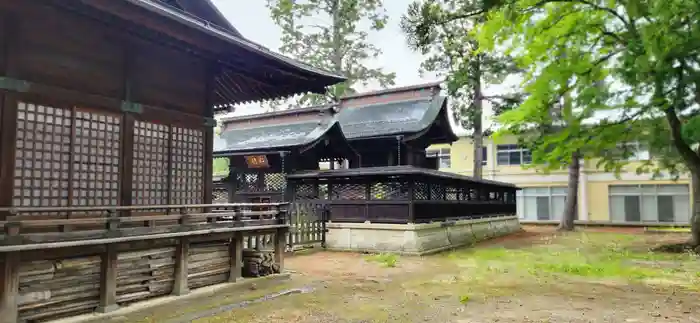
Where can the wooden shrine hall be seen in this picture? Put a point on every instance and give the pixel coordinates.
(391, 189)
(106, 144)
(384, 128)
(261, 149)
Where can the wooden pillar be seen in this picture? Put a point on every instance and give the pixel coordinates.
(180, 286)
(235, 250)
(280, 244)
(9, 287)
(8, 109)
(231, 181)
(108, 280)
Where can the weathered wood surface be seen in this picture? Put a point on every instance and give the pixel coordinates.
(307, 224)
(209, 263)
(144, 274)
(257, 263)
(55, 288)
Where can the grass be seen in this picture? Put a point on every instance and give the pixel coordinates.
(387, 259)
(604, 266)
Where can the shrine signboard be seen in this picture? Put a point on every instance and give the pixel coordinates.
(257, 161)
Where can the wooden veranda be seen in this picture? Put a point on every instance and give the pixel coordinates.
(106, 146)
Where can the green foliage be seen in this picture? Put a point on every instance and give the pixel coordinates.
(638, 60)
(220, 167)
(387, 259)
(328, 35)
(443, 31)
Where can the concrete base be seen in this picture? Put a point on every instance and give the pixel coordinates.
(416, 239)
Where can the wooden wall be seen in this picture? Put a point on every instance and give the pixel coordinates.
(91, 117)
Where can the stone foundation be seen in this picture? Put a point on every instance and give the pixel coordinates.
(416, 239)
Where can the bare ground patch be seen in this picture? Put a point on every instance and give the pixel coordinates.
(528, 277)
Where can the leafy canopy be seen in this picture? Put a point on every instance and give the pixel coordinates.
(442, 30)
(332, 35)
(630, 71)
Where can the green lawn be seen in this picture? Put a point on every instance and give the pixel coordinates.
(578, 277)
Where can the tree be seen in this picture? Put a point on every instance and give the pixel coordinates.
(328, 35)
(643, 54)
(443, 30)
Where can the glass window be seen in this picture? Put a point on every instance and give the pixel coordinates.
(649, 203)
(512, 155)
(443, 156)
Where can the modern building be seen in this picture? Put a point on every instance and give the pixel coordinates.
(631, 198)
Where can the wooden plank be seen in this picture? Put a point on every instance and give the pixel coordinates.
(108, 280)
(236, 257)
(9, 287)
(280, 244)
(181, 263)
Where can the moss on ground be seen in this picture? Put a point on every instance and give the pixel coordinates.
(441, 287)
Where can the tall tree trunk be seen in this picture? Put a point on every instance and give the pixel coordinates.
(695, 212)
(478, 127)
(567, 219)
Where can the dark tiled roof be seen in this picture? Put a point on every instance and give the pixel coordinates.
(279, 76)
(390, 118)
(268, 137)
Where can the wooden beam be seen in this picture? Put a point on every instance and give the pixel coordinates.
(8, 111)
(236, 254)
(280, 244)
(9, 287)
(180, 286)
(108, 280)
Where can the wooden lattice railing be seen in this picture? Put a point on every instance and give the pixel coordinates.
(85, 225)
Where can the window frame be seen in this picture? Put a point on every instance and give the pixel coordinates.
(442, 155)
(510, 149)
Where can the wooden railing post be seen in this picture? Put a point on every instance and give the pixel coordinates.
(108, 280)
(9, 277)
(9, 289)
(235, 250)
(280, 244)
(180, 285)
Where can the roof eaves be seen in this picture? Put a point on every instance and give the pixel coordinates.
(225, 35)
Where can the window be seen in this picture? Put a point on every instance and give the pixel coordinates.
(484, 156)
(636, 150)
(650, 203)
(443, 156)
(541, 203)
(512, 155)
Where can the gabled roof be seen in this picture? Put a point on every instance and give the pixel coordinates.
(205, 9)
(400, 111)
(274, 131)
(249, 72)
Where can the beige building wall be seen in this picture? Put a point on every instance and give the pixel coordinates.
(595, 184)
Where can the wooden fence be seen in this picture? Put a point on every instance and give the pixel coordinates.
(307, 221)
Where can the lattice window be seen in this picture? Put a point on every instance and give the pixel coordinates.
(248, 182)
(42, 156)
(54, 168)
(150, 170)
(421, 191)
(437, 192)
(187, 168)
(95, 175)
(452, 194)
(349, 192)
(220, 195)
(389, 191)
(304, 191)
(275, 182)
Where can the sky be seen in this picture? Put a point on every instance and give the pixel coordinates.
(252, 19)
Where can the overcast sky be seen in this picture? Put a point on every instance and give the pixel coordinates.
(253, 20)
